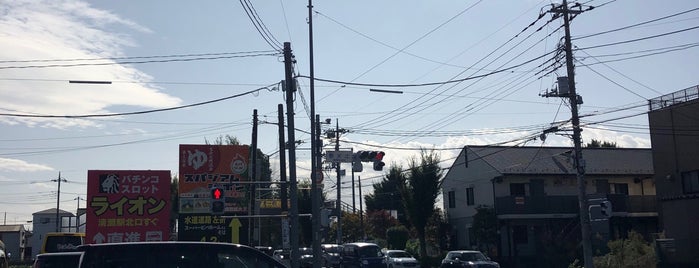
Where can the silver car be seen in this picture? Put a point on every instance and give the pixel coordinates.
(399, 259)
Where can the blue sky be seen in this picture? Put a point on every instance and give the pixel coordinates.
(142, 46)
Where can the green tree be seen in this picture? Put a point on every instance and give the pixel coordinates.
(633, 252)
(601, 144)
(397, 236)
(485, 227)
(419, 193)
(386, 194)
(378, 222)
(175, 203)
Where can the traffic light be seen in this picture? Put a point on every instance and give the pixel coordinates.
(378, 165)
(606, 209)
(372, 156)
(218, 201)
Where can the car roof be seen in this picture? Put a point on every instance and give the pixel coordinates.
(362, 244)
(63, 253)
(465, 251)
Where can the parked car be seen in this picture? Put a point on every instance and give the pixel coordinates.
(57, 260)
(399, 259)
(467, 258)
(306, 260)
(283, 256)
(171, 254)
(267, 250)
(4, 263)
(363, 255)
(331, 255)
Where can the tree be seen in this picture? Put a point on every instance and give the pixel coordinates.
(485, 227)
(378, 222)
(386, 195)
(628, 253)
(419, 193)
(175, 203)
(397, 236)
(601, 144)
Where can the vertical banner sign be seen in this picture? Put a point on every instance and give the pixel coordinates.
(203, 167)
(127, 206)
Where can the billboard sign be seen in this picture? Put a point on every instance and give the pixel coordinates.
(202, 168)
(127, 206)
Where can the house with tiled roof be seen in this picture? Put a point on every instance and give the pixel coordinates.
(534, 193)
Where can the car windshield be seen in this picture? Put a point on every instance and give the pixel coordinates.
(471, 256)
(370, 251)
(399, 254)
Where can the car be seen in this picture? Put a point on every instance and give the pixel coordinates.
(362, 254)
(57, 260)
(306, 260)
(283, 256)
(171, 254)
(399, 259)
(267, 250)
(331, 255)
(4, 263)
(467, 258)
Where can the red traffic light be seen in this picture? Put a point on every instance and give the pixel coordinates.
(370, 156)
(216, 193)
(379, 156)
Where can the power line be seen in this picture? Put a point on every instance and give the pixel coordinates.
(138, 112)
(635, 25)
(138, 62)
(642, 38)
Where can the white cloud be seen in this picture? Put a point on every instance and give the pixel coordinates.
(7, 164)
(68, 29)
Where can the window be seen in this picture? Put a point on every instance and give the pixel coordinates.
(690, 182)
(517, 189)
(621, 188)
(469, 196)
(452, 199)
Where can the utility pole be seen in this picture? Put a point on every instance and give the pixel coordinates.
(253, 187)
(282, 159)
(58, 201)
(314, 146)
(337, 170)
(361, 209)
(316, 180)
(77, 214)
(578, 159)
(290, 86)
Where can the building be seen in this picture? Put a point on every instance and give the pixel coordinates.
(15, 239)
(674, 129)
(534, 192)
(44, 222)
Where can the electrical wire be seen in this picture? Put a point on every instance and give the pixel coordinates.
(260, 26)
(139, 112)
(634, 25)
(137, 62)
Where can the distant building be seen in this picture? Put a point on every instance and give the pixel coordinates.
(15, 239)
(674, 130)
(534, 192)
(45, 222)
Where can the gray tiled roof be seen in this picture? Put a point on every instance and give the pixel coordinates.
(558, 160)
